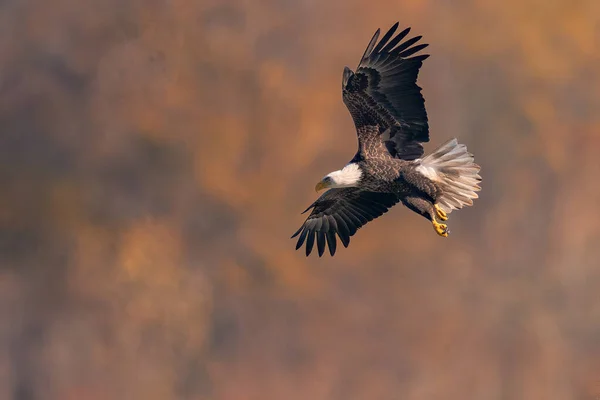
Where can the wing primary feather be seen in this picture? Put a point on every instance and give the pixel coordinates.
(349, 223)
(412, 50)
(420, 57)
(301, 238)
(321, 243)
(386, 37)
(358, 213)
(310, 241)
(325, 227)
(407, 44)
(308, 208)
(318, 224)
(311, 223)
(395, 41)
(332, 224)
(343, 231)
(354, 219)
(371, 45)
(297, 232)
(331, 242)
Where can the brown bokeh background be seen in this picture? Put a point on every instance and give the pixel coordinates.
(155, 156)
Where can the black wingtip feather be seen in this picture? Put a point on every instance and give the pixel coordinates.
(345, 241)
(321, 243)
(301, 238)
(413, 50)
(310, 241)
(385, 38)
(352, 220)
(407, 44)
(307, 208)
(348, 221)
(371, 44)
(388, 48)
(342, 228)
(331, 242)
(421, 57)
(297, 232)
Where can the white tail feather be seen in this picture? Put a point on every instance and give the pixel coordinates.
(452, 166)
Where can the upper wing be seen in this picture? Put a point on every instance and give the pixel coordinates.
(384, 92)
(341, 211)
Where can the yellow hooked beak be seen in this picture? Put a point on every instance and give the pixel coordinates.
(321, 185)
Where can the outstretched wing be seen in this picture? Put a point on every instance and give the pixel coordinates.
(341, 212)
(384, 92)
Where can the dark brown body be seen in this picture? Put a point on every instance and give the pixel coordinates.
(384, 173)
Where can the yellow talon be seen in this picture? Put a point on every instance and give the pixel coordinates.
(441, 214)
(440, 229)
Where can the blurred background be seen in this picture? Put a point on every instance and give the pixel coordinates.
(154, 160)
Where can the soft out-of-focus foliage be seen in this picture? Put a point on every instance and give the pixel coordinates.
(155, 156)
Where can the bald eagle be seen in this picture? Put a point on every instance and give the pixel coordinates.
(389, 114)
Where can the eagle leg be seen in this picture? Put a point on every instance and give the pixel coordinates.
(440, 229)
(441, 214)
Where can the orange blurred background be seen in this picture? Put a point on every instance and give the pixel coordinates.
(154, 159)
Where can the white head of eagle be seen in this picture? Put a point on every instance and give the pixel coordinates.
(349, 176)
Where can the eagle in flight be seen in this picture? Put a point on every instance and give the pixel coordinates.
(388, 110)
